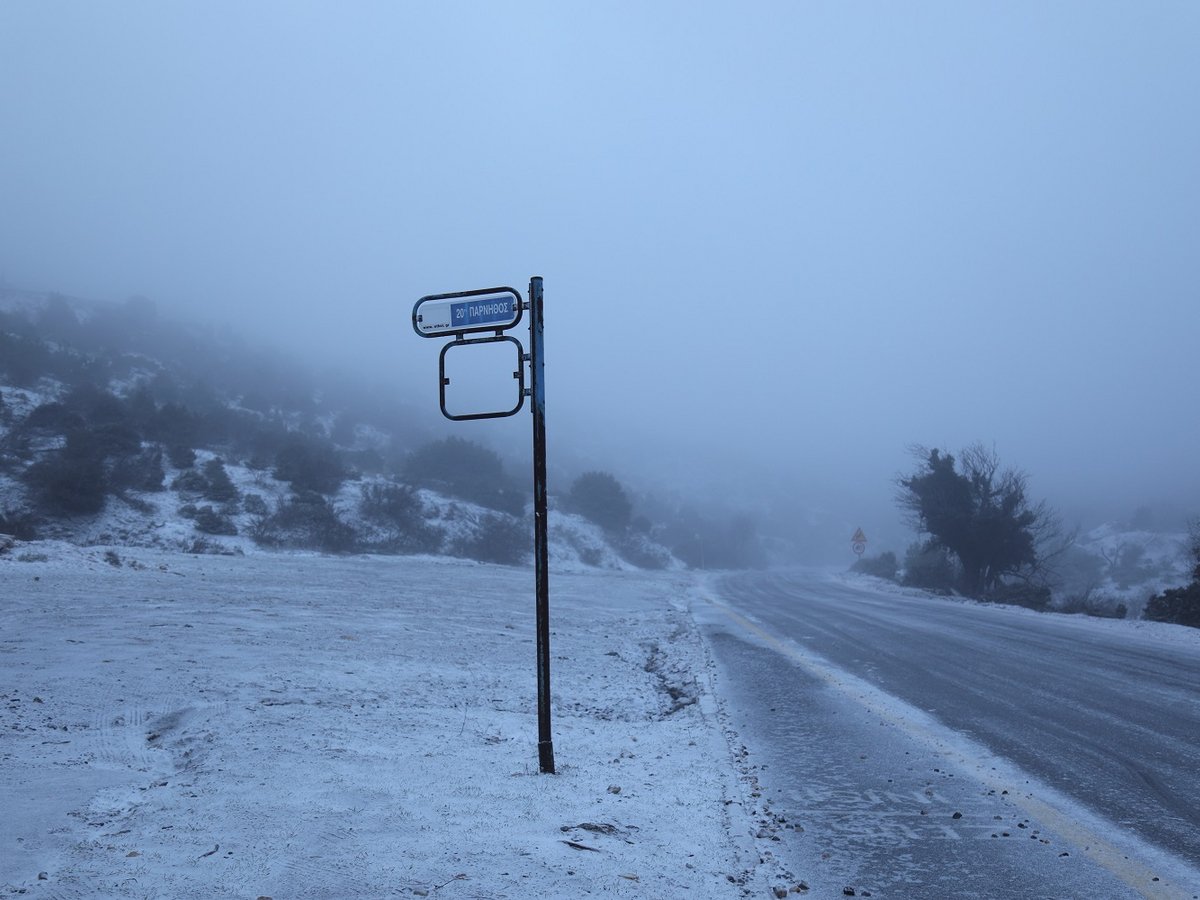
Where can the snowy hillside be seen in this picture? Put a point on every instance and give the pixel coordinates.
(159, 520)
(1115, 565)
(119, 429)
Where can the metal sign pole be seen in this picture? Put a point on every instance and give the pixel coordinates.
(541, 542)
(496, 310)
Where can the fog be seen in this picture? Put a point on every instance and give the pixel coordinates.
(780, 243)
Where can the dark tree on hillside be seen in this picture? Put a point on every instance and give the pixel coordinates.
(306, 520)
(102, 453)
(599, 497)
(23, 358)
(181, 456)
(979, 513)
(97, 406)
(53, 417)
(220, 486)
(114, 440)
(392, 504)
(142, 472)
(1178, 605)
(58, 320)
(142, 408)
(465, 470)
(175, 426)
(21, 524)
(69, 482)
(396, 509)
(929, 565)
(1181, 605)
(496, 539)
(309, 464)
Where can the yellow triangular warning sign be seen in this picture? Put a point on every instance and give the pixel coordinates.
(859, 537)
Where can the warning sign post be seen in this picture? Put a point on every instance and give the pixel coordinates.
(858, 543)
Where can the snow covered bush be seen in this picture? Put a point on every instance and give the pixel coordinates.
(21, 524)
(496, 538)
(599, 497)
(68, 482)
(181, 456)
(255, 505)
(143, 472)
(640, 550)
(1178, 605)
(929, 566)
(885, 565)
(220, 487)
(398, 515)
(308, 522)
(465, 470)
(210, 521)
(309, 464)
(1181, 605)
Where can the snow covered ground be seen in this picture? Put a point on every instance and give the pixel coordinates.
(289, 725)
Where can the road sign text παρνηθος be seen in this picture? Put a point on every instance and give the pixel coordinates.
(481, 312)
(466, 312)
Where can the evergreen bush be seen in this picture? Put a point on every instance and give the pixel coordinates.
(465, 470)
(309, 464)
(599, 498)
(930, 567)
(885, 565)
(210, 521)
(398, 511)
(497, 538)
(220, 486)
(305, 521)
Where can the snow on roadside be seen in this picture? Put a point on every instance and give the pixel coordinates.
(292, 725)
(1141, 631)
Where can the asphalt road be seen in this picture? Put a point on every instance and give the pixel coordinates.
(1105, 714)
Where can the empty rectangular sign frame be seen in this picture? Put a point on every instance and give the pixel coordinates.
(486, 379)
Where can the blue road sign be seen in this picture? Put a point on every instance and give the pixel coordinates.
(467, 312)
(487, 311)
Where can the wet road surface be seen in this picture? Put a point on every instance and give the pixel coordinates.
(919, 708)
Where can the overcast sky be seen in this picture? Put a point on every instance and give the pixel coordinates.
(781, 241)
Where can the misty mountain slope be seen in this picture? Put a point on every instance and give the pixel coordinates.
(119, 428)
(1120, 566)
